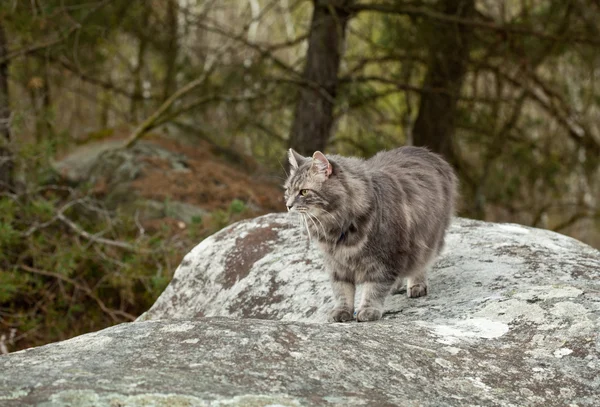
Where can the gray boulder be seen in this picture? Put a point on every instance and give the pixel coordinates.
(512, 319)
(505, 274)
(118, 165)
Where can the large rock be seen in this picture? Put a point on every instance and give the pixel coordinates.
(223, 362)
(512, 319)
(506, 274)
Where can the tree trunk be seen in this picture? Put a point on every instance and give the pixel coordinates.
(137, 72)
(314, 112)
(435, 124)
(6, 159)
(171, 50)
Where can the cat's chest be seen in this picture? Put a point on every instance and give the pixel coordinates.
(351, 257)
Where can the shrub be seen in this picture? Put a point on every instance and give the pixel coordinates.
(69, 266)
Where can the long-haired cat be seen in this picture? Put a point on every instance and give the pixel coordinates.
(377, 221)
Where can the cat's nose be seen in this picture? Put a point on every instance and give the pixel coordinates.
(289, 204)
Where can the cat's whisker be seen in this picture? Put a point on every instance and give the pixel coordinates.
(297, 219)
(310, 217)
(306, 225)
(299, 222)
(321, 223)
(308, 229)
(282, 167)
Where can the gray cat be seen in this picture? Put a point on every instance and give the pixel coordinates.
(376, 221)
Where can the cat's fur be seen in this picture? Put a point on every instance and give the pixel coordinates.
(377, 221)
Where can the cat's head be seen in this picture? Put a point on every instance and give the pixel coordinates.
(308, 187)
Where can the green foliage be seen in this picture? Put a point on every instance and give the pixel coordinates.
(69, 265)
(196, 229)
(237, 206)
(10, 283)
(220, 218)
(7, 234)
(58, 280)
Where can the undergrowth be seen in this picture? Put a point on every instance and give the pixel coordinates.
(69, 265)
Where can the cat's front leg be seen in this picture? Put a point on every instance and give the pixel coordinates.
(373, 300)
(343, 296)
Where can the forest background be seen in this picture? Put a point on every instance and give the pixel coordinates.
(212, 92)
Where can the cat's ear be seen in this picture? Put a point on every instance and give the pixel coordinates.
(296, 159)
(321, 164)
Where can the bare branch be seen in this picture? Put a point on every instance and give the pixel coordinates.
(110, 312)
(72, 225)
(421, 11)
(94, 238)
(418, 89)
(543, 97)
(201, 102)
(50, 43)
(136, 95)
(43, 225)
(151, 120)
(576, 217)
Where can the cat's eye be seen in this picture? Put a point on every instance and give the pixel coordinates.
(304, 192)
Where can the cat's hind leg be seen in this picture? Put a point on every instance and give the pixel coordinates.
(399, 286)
(416, 281)
(416, 285)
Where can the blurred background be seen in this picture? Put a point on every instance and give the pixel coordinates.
(132, 129)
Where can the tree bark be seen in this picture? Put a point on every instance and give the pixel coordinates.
(313, 117)
(435, 124)
(6, 159)
(171, 50)
(137, 72)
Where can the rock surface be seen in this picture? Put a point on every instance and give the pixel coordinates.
(222, 362)
(512, 319)
(267, 268)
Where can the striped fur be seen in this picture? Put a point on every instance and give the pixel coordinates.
(377, 221)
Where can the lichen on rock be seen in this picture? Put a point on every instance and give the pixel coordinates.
(512, 318)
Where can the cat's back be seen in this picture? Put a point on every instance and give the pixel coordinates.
(416, 169)
(416, 161)
(409, 157)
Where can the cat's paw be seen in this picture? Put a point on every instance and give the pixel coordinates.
(417, 290)
(368, 314)
(340, 315)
